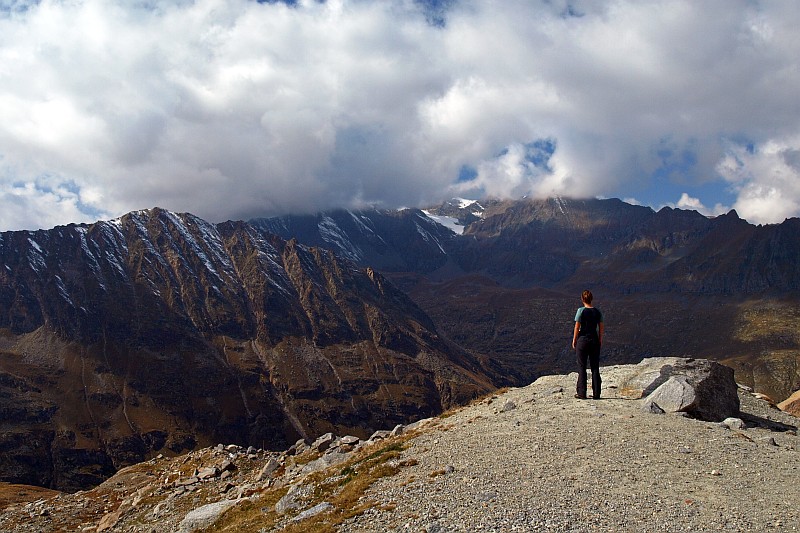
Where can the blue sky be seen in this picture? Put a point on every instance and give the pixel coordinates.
(232, 109)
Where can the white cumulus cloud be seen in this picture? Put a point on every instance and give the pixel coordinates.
(234, 109)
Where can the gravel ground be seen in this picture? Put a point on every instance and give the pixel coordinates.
(556, 463)
(528, 459)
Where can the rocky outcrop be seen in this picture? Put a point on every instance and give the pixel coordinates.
(791, 404)
(700, 388)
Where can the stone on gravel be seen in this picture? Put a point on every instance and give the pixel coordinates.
(329, 459)
(207, 472)
(733, 423)
(791, 404)
(108, 521)
(297, 447)
(704, 389)
(271, 466)
(674, 396)
(323, 442)
(204, 516)
(290, 499)
(313, 511)
(380, 434)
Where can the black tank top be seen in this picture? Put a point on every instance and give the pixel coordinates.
(590, 318)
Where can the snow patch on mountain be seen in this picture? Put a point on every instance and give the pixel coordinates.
(428, 237)
(334, 235)
(450, 223)
(463, 203)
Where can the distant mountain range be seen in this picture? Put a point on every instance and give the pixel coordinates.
(162, 332)
(505, 283)
(561, 242)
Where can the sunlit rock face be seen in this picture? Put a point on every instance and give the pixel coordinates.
(160, 332)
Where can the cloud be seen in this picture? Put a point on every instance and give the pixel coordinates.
(234, 109)
(47, 200)
(694, 204)
(766, 178)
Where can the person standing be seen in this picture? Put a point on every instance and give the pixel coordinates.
(586, 341)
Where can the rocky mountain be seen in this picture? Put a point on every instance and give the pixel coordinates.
(562, 242)
(524, 459)
(387, 240)
(161, 332)
(673, 282)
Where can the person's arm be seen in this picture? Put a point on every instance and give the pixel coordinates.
(575, 334)
(600, 329)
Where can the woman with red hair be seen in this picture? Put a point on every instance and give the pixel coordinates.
(586, 341)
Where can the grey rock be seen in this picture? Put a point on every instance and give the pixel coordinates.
(412, 426)
(652, 407)
(769, 441)
(313, 511)
(380, 434)
(323, 442)
(298, 447)
(270, 467)
(329, 459)
(704, 389)
(227, 465)
(207, 472)
(398, 430)
(291, 500)
(204, 516)
(674, 395)
(349, 439)
(508, 406)
(733, 423)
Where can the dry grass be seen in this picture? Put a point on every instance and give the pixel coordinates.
(343, 486)
(761, 321)
(11, 494)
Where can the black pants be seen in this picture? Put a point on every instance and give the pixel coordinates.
(588, 351)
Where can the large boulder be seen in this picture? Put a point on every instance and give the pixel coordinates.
(791, 404)
(701, 388)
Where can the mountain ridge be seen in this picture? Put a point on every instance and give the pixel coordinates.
(161, 332)
(671, 280)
